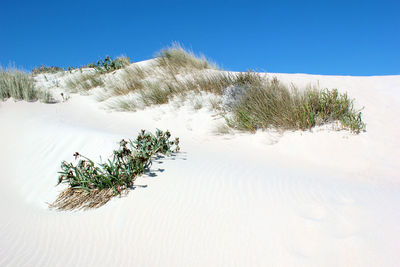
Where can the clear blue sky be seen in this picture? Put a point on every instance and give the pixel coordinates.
(319, 37)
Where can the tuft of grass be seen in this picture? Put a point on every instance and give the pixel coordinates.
(213, 83)
(114, 177)
(45, 69)
(47, 97)
(176, 58)
(222, 129)
(18, 85)
(124, 105)
(84, 82)
(272, 104)
(131, 80)
(155, 94)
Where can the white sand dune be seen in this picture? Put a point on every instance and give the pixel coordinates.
(320, 198)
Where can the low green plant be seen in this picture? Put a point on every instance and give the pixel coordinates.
(18, 85)
(92, 185)
(108, 64)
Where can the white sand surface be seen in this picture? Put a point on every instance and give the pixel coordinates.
(320, 198)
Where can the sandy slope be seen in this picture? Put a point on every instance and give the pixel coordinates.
(320, 198)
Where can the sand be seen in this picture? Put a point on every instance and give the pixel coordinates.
(319, 198)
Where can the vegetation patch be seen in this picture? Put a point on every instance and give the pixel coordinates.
(45, 69)
(84, 82)
(266, 104)
(249, 101)
(18, 85)
(176, 58)
(109, 64)
(92, 185)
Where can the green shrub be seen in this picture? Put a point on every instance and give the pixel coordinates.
(108, 64)
(92, 185)
(18, 85)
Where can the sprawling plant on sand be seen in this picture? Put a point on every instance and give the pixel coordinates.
(92, 185)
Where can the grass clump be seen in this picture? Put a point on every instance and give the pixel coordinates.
(131, 80)
(176, 58)
(45, 69)
(18, 85)
(84, 82)
(47, 97)
(92, 185)
(266, 104)
(155, 94)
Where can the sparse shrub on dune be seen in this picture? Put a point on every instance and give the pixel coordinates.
(18, 85)
(109, 64)
(92, 185)
(89, 80)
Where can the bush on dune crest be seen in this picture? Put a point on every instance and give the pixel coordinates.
(109, 64)
(92, 185)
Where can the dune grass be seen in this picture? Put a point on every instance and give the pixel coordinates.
(84, 82)
(271, 104)
(175, 58)
(18, 85)
(132, 79)
(46, 69)
(255, 102)
(248, 100)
